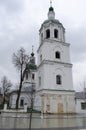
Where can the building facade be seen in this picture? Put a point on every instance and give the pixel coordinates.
(53, 76)
(55, 92)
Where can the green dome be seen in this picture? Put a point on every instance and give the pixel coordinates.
(53, 21)
(31, 66)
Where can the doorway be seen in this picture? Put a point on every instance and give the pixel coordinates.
(60, 108)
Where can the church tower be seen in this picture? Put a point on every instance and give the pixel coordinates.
(55, 92)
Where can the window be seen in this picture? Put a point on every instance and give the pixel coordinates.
(40, 57)
(55, 33)
(47, 33)
(39, 81)
(57, 55)
(33, 76)
(83, 105)
(22, 102)
(58, 79)
(26, 75)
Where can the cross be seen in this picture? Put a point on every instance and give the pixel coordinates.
(51, 3)
(32, 48)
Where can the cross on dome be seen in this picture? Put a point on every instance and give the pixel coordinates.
(32, 54)
(51, 13)
(32, 48)
(50, 3)
(51, 8)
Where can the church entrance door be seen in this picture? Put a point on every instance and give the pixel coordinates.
(60, 108)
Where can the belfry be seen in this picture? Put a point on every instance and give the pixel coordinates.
(55, 93)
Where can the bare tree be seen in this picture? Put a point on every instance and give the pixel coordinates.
(20, 60)
(6, 85)
(82, 84)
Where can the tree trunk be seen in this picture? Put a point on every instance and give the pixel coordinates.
(19, 92)
(3, 100)
(20, 87)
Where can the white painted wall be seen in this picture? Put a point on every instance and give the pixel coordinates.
(48, 49)
(24, 96)
(48, 74)
(53, 98)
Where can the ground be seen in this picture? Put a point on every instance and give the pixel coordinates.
(48, 129)
(47, 122)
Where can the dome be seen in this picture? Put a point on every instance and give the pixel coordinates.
(51, 9)
(32, 54)
(53, 21)
(51, 18)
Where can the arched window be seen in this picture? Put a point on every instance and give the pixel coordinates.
(26, 75)
(22, 102)
(33, 76)
(58, 79)
(57, 55)
(40, 57)
(55, 33)
(47, 33)
(39, 80)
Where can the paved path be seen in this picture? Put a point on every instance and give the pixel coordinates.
(70, 122)
(66, 128)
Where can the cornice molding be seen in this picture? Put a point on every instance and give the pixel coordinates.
(56, 90)
(53, 41)
(55, 62)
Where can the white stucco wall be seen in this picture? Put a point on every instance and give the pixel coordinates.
(24, 96)
(48, 49)
(53, 99)
(48, 73)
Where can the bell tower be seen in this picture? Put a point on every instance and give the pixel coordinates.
(54, 74)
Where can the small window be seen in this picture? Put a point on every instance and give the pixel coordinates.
(55, 33)
(22, 102)
(26, 75)
(83, 105)
(39, 81)
(58, 79)
(33, 76)
(40, 57)
(47, 33)
(57, 55)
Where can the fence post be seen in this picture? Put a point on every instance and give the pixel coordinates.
(25, 107)
(5, 107)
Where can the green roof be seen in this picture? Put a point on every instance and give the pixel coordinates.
(31, 66)
(53, 21)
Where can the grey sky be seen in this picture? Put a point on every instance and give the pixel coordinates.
(20, 21)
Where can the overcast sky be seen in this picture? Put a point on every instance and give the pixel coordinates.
(20, 21)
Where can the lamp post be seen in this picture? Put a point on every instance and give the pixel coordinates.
(32, 93)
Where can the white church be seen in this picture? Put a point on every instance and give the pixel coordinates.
(53, 75)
